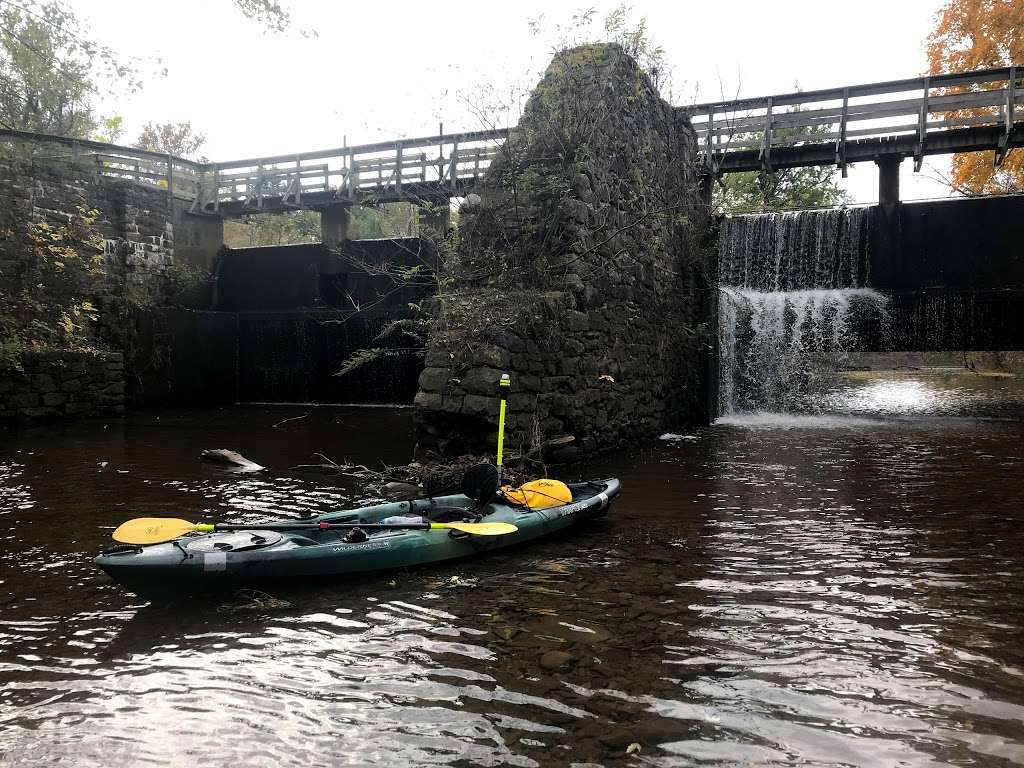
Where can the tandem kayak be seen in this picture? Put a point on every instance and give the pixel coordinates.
(215, 561)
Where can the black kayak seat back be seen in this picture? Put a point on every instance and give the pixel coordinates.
(481, 482)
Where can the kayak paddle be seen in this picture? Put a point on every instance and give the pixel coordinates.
(156, 530)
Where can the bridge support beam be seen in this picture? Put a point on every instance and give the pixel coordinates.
(886, 253)
(334, 224)
(889, 180)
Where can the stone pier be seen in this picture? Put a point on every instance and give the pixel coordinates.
(580, 272)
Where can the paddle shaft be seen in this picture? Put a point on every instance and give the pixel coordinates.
(321, 526)
(503, 387)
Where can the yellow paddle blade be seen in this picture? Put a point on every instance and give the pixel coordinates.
(479, 529)
(152, 530)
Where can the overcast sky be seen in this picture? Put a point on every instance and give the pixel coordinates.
(381, 70)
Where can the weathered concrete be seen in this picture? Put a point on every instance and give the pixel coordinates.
(579, 273)
(361, 273)
(197, 237)
(334, 225)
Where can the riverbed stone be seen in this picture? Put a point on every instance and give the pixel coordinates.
(556, 660)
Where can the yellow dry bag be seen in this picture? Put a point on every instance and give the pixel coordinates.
(539, 494)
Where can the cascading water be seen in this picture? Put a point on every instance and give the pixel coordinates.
(792, 305)
(796, 251)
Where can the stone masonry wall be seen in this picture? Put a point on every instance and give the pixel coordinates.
(59, 383)
(579, 272)
(78, 251)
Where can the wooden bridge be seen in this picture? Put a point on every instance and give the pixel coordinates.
(967, 112)
(427, 169)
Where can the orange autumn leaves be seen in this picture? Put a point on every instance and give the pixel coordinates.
(980, 34)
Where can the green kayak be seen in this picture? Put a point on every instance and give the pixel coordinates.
(208, 562)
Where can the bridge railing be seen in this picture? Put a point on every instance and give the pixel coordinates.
(918, 108)
(408, 169)
(179, 177)
(404, 169)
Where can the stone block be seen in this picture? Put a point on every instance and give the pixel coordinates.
(436, 380)
(492, 357)
(54, 399)
(437, 357)
(40, 413)
(481, 381)
(577, 321)
(522, 402)
(71, 385)
(23, 400)
(477, 405)
(43, 382)
(427, 400)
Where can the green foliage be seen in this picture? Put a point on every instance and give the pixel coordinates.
(758, 192)
(110, 129)
(178, 139)
(50, 71)
(11, 345)
(47, 304)
(187, 285)
(388, 220)
(367, 222)
(359, 358)
(287, 228)
(618, 26)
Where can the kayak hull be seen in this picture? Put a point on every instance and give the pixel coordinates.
(218, 561)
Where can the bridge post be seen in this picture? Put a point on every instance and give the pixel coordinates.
(334, 224)
(886, 252)
(889, 180)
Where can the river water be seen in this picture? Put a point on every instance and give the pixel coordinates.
(832, 590)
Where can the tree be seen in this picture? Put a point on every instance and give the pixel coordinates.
(291, 227)
(286, 228)
(271, 15)
(616, 27)
(45, 84)
(979, 34)
(758, 192)
(50, 70)
(110, 129)
(178, 139)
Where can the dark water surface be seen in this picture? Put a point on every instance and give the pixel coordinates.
(841, 590)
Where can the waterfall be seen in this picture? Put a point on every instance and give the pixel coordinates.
(796, 251)
(792, 305)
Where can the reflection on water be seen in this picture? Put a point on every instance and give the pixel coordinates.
(906, 394)
(768, 594)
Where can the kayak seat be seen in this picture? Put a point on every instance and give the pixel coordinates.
(481, 482)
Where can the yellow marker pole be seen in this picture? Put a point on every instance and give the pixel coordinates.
(503, 386)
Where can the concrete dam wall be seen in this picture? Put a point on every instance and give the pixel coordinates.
(282, 321)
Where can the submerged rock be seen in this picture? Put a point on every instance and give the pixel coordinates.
(231, 459)
(553, 660)
(253, 601)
